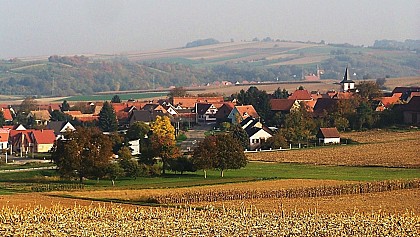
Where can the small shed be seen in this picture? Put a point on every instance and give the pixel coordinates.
(328, 135)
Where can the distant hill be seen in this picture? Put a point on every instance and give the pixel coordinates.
(247, 61)
(202, 42)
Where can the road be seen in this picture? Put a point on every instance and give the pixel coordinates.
(194, 136)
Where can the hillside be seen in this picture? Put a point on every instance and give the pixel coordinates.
(195, 66)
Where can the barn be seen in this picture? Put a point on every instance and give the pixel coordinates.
(328, 136)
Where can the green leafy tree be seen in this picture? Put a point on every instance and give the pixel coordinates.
(280, 94)
(220, 152)
(240, 134)
(137, 130)
(57, 115)
(181, 164)
(65, 106)
(84, 153)
(229, 154)
(275, 142)
(299, 125)
(204, 154)
(259, 99)
(113, 171)
(368, 90)
(366, 117)
(2, 120)
(177, 92)
(107, 118)
(116, 99)
(130, 166)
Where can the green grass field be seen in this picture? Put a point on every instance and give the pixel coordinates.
(123, 97)
(252, 172)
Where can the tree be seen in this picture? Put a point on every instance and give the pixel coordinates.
(2, 119)
(240, 134)
(163, 140)
(229, 154)
(299, 125)
(181, 164)
(116, 99)
(107, 119)
(280, 94)
(365, 116)
(368, 90)
(204, 153)
(28, 104)
(83, 153)
(113, 171)
(57, 115)
(137, 130)
(220, 152)
(130, 166)
(275, 142)
(177, 92)
(257, 98)
(65, 106)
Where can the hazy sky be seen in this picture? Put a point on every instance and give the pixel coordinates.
(47, 27)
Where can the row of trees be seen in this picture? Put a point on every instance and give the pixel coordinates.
(88, 153)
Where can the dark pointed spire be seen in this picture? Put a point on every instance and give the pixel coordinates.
(346, 77)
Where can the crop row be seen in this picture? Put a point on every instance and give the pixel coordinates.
(320, 191)
(119, 221)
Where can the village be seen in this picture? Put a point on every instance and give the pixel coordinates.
(44, 127)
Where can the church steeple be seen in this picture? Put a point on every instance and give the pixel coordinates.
(346, 83)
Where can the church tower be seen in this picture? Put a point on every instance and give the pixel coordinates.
(346, 83)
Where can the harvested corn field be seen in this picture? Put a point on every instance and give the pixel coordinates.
(120, 221)
(144, 194)
(377, 148)
(392, 202)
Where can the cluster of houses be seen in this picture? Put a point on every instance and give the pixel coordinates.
(199, 110)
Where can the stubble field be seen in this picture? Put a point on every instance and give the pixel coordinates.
(368, 213)
(377, 148)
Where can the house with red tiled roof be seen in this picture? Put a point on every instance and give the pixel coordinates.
(4, 138)
(328, 136)
(300, 95)
(284, 106)
(241, 112)
(43, 140)
(189, 102)
(223, 112)
(20, 141)
(7, 113)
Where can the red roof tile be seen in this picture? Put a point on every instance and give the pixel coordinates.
(4, 135)
(300, 95)
(249, 110)
(7, 114)
(281, 104)
(44, 136)
(328, 133)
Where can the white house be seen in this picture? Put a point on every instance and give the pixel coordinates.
(135, 147)
(257, 132)
(328, 136)
(206, 112)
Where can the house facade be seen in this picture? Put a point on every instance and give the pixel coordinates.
(328, 136)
